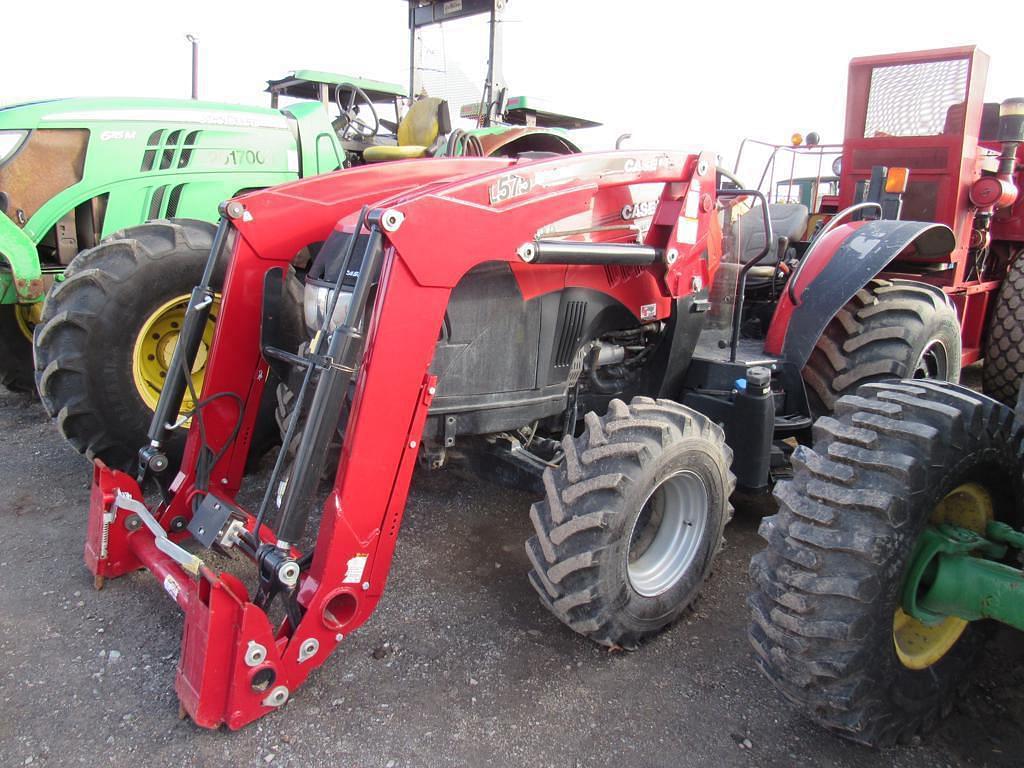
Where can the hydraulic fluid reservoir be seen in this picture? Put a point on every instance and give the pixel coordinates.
(752, 427)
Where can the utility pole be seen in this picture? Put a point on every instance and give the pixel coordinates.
(195, 64)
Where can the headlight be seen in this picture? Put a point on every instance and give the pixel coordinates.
(9, 143)
(315, 300)
(837, 166)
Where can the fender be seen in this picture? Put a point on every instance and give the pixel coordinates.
(835, 268)
(511, 141)
(316, 137)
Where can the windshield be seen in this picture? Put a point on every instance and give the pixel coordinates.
(743, 240)
(452, 63)
(808, 191)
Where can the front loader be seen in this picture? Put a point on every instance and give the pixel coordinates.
(580, 319)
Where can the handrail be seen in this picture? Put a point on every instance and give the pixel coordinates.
(741, 283)
(791, 287)
(768, 172)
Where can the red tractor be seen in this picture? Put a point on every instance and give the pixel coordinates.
(616, 327)
(926, 112)
(917, 123)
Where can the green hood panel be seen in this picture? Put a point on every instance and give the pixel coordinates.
(147, 147)
(85, 112)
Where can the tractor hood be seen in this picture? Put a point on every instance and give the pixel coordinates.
(72, 171)
(62, 113)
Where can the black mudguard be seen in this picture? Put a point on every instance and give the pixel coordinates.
(865, 252)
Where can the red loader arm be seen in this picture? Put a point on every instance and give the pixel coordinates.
(235, 664)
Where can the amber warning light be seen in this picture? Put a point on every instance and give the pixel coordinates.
(896, 181)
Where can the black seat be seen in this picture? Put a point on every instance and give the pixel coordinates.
(788, 220)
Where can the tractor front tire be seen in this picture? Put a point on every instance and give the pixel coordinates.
(103, 345)
(1003, 369)
(285, 410)
(827, 624)
(891, 329)
(15, 350)
(632, 520)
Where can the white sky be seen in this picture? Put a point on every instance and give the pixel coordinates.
(675, 74)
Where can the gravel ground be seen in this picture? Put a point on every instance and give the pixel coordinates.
(460, 665)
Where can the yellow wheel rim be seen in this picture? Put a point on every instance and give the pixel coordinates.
(28, 317)
(918, 645)
(154, 346)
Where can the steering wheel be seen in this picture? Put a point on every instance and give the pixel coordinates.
(349, 125)
(729, 201)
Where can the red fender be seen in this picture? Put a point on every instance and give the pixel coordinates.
(838, 265)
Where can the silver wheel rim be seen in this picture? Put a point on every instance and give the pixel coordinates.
(667, 534)
(933, 362)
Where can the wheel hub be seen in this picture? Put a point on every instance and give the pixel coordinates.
(28, 316)
(920, 645)
(154, 350)
(933, 362)
(668, 534)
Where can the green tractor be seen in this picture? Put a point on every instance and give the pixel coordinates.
(75, 171)
(77, 175)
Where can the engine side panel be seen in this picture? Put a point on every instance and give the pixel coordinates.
(502, 360)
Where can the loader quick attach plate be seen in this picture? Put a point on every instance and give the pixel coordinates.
(212, 523)
(432, 221)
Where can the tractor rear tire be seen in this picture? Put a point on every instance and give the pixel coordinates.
(86, 342)
(1003, 369)
(15, 352)
(827, 626)
(632, 520)
(891, 329)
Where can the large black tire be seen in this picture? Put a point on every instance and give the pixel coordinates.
(892, 329)
(1003, 369)
(828, 585)
(15, 352)
(587, 554)
(85, 342)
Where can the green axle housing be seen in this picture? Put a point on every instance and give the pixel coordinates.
(954, 573)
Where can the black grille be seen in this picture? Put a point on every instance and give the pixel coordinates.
(156, 203)
(166, 145)
(186, 151)
(618, 273)
(150, 154)
(572, 325)
(172, 201)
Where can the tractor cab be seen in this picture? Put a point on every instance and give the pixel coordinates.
(503, 125)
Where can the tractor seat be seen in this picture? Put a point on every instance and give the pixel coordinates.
(426, 122)
(788, 220)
